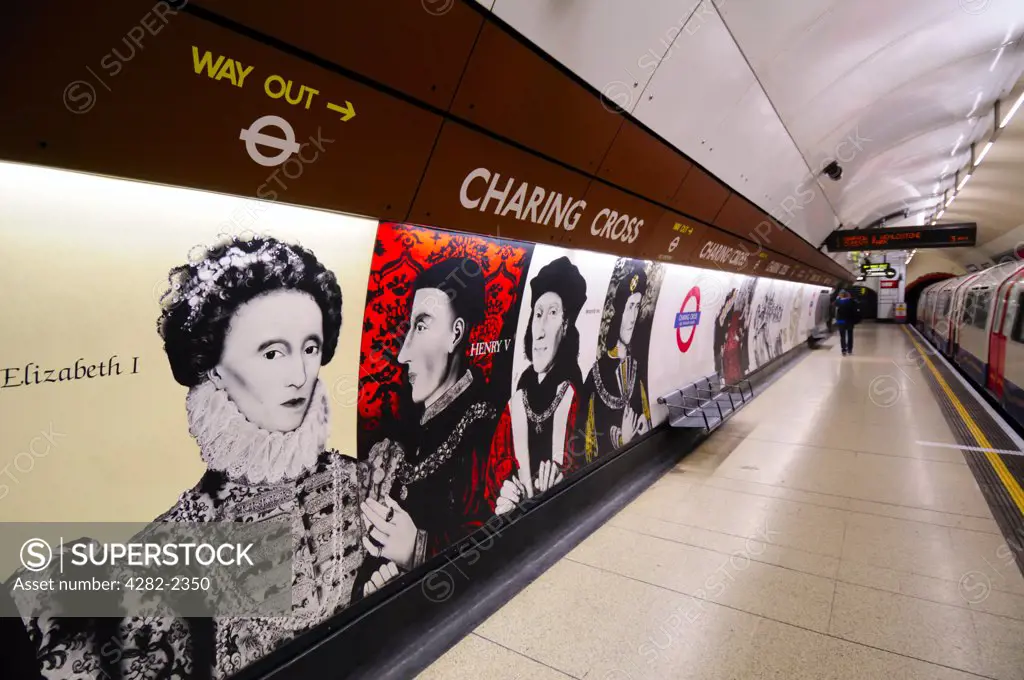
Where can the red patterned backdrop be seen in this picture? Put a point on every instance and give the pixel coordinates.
(401, 252)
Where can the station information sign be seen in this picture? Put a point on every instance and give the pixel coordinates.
(880, 269)
(901, 238)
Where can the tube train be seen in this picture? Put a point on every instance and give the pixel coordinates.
(976, 320)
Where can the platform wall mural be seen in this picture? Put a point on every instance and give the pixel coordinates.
(189, 356)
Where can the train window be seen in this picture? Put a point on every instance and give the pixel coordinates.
(981, 302)
(975, 310)
(1015, 334)
(946, 297)
(967, 312)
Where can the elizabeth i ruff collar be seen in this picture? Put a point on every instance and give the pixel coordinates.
(230, 443)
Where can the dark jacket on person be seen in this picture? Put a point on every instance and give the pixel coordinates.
(847, 311)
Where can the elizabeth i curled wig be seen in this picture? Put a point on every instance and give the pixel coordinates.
(205, 293)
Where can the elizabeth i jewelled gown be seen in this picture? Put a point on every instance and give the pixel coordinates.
(253, 476)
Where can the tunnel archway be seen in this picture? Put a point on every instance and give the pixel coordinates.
(912, 294)
(867, 301)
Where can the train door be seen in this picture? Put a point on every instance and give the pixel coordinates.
(941, 309)
(924, 308)
(997, 337)
(971, 331)
(938, 308)
(1011, 378)
(948, 328)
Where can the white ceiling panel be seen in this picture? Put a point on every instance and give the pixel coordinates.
(706, 101)
(805, 210)
(615, 46)
(910, 112)
(775, 28)
(887, 174)
(818, 44)
(960, 88)
(750, 141)
(702, 82)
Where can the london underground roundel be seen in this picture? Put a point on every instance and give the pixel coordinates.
(687, 319)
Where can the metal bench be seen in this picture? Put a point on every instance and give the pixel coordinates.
(706, 403)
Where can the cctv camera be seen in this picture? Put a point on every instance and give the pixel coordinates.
(834, 171)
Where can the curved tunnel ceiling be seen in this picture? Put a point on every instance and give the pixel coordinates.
(765, 94)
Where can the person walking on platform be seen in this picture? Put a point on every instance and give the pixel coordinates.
(847, 316)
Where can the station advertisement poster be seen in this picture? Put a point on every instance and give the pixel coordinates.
(190, 356)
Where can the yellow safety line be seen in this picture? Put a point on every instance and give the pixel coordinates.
(1008, 480)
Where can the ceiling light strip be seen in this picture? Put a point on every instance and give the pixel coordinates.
(976, 158)
(984, 152)
(1013, 110)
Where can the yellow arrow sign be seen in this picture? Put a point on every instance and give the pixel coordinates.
(348, 112)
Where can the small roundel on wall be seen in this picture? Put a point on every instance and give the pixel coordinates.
(688, 318)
